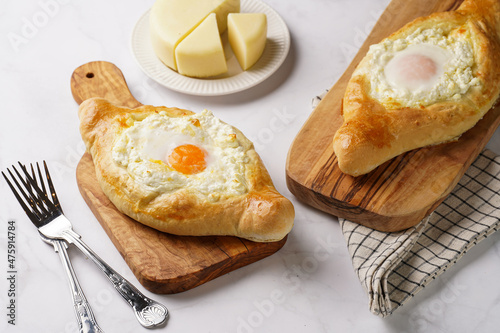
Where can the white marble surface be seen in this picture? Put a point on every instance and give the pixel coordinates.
(43, 41)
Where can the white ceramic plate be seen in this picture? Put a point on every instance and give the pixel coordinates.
(277, 47)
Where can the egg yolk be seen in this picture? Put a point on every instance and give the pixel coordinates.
(188, 159)
(417, 67)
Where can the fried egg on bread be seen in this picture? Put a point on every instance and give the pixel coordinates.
(183, 173)
(425, 84)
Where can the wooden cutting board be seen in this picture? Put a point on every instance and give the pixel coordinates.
(162, 263)
(401, 192)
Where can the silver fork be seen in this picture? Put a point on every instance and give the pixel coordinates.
(83, 311)
(47, 215)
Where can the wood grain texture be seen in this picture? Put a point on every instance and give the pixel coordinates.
(101, 79)
(401, 192)
(162, 263)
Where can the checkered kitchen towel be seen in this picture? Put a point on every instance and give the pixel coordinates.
(393, 267)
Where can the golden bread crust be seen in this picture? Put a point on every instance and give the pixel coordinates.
(261, 214)
(372, 134)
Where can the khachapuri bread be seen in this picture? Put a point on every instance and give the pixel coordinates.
(183, 173)
(423, 85)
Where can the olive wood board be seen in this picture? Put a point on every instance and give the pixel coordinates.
(162, 263)
(404, 190)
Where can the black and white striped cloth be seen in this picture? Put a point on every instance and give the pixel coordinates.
(393, 267)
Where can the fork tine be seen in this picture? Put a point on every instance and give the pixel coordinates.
(44, 190)
(55, 200)
(31, 185)
(34, 192)
(28, 198)
(34, 199)
(40, 180)
(42, 196)
(33, 175)
(34, 218)
(25, 184)
(20, 188)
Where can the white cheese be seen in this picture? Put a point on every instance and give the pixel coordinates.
(201, 54)
(247, 33)
(172, 20)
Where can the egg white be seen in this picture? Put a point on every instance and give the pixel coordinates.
(160, 144)
(438, 55)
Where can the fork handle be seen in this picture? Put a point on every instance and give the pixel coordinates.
(84, 314)
(148, 312)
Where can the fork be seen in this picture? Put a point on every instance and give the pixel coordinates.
(83, 311)
(46, 213)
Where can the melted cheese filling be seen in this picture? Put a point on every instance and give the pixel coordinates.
(145, 150)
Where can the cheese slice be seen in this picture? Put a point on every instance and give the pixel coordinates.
(172, 20)
(201, 54)
(247, 33)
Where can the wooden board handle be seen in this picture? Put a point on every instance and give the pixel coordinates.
(101, 79)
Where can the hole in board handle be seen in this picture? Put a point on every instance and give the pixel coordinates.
(90, 75)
